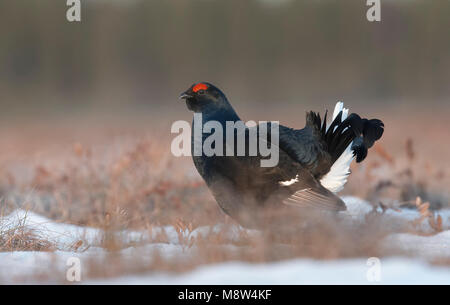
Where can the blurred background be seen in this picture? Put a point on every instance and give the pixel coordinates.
(137, 56)
(86, 110)
(91, 103)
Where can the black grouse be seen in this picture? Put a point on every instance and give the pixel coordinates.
(313, 162)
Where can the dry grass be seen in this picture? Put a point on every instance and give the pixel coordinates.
(22, 238)
(127, 179)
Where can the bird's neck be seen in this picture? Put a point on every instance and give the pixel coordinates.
(201, 131)
(221, 115)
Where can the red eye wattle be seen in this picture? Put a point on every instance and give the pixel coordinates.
(199, 87)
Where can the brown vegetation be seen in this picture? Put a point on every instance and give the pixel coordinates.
(128, 180)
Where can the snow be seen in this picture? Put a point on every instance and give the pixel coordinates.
(425, 246)
(65, 235)
(61, 233)
(356, 208)
(19, 267)
(297, 272)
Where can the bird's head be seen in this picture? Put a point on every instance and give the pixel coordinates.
(202, 97)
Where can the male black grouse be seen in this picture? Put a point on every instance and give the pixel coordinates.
(314, 162)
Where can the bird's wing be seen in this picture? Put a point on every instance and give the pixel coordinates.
(303, 146)
(308, 193)
(291, 179)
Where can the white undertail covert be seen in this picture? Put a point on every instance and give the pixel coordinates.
(336, 178)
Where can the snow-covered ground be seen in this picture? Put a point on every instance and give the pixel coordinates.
(19, 267)
(301, 271)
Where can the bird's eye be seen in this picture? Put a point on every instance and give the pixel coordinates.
(201, 91)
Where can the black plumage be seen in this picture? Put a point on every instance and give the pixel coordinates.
(242, 187)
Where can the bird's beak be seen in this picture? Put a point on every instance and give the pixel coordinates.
(185, 95)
